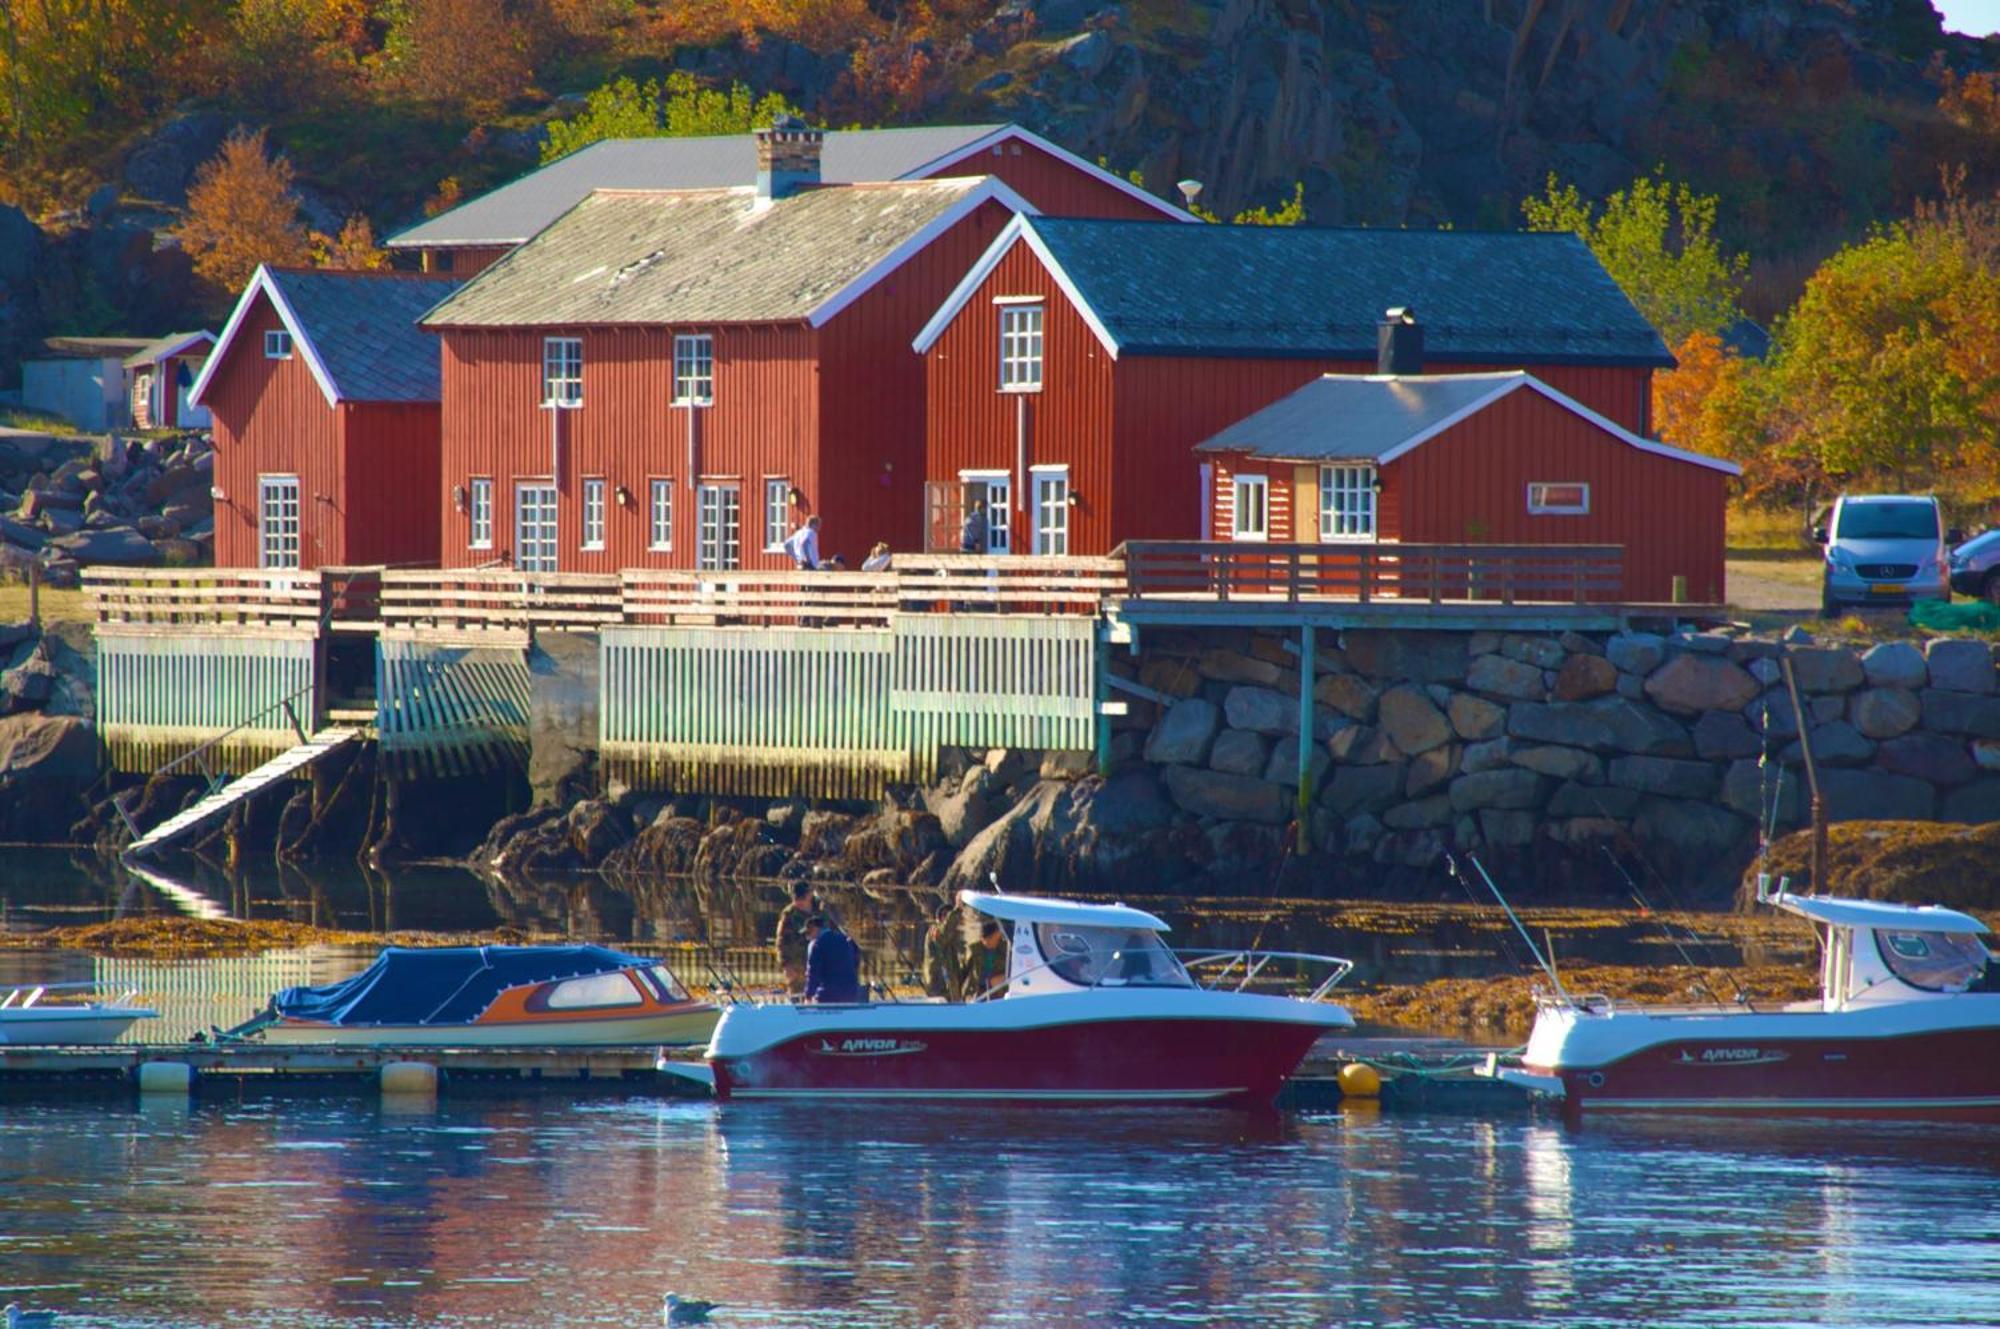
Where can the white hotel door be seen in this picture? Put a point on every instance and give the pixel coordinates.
(535, 527)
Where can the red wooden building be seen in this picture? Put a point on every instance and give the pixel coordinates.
(160, 377)
(473, 235)
(679, 378)
(1493, 458)
(324, 397)
(1079, 362)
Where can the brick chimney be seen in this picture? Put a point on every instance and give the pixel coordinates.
(787, 157)
(1399, 343)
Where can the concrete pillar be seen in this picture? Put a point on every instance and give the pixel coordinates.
(165, 1077)
(1308, 654)
(562, 714)
(1100, 694)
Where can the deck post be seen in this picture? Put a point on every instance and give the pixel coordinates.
(1100, 692)
(1308, 649)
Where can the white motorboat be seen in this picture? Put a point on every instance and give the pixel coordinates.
(50, 1014)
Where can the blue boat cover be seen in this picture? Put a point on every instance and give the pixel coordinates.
(442, 985)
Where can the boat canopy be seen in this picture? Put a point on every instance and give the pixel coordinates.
(1878, 914)
(443, 984)
(1042, 909)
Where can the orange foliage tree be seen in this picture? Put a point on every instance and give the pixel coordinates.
(353, 249)
(241, 211)
(475, 55)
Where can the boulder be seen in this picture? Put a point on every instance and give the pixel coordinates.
(1578, 800)
(1492, 755)
(22, 534)
(1959, 666)
(1170, 675)
(1361, 745)
(1746, 786)
(1423, 814)
(823, 835)
(1636, 652)
(1691, 684)
(1541, 652)
(1885, 711)
(161, 166)
(1585, 831)
(1934, 757)
(1772, 714)
(1977, 803)
(1506, 829)
(1183, 734)
(1986, 754)
(963, 810)
(1239, 752)
(1474, 718)
(1724, 736)
(47, 763)
(28, 685)
(1826, 669)
(119, 545)
(1512, 788)
(1261, 710)
(1585, 676)
(1701, 833)
(1609, 724)
(1363, 788)
(1235, 667)
(1562, 763)
(1872, 795)
(1835, 744)
(1498, 676)
(1430, 769)
(1350, 694)
(1417, 657)
(1705, 643)
(1283, 767)
(1412, 721)
(595, 828)
(1664, 776)
(1361, 833)
(1204, 793)
(1960, 713)
(1895, 664)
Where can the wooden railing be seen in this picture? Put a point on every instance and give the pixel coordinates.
(498, 600)
(1433, 574)
(193, 597)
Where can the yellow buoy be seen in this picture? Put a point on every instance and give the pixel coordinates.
(1359, 1080)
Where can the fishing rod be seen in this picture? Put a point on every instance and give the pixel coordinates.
(1512, 917)
(1701, 977)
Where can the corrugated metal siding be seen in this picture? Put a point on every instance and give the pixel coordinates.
(448, 710)
(872, 394)
(159, 697)
(972, 424)
(269, 418)
(993, 681)
(1470, 484)
(763, 422)
(1279, 475)
(388, 509)
(1053, 185)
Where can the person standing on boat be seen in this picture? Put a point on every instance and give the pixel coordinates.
(944, 953)
(833, 963)
(791, 942)
(988, 970)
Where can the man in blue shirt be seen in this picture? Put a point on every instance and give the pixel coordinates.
(833, 963)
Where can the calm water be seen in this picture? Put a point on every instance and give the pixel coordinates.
(550, 1213)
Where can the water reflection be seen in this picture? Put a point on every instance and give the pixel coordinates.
(306, 1213)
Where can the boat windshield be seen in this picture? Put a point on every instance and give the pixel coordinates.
(1936, 961)
(1109, 957)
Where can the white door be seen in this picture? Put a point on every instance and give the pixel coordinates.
(720, 544)
(996, 490)
(535, 527)
(278, 521)
(1051, 509)
(186, 414)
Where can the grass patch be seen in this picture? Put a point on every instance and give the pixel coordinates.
(58, 606)
(40, 422)
(1749, 531)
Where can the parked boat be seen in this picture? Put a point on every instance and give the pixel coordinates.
(30, 1014)
(1907, 1025)
(490, 996)
(1095, 1008)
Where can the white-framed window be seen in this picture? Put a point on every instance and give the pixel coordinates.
(1051, 509)
(593, 513)
(694, 370)
(277, 344)
(479, 508)
(1566, 498)
(535, 526)
(1251, 518)
(660, 513)
(719, 533)
(996, 490)
(1347, 502)
(1021, 348)
(562, 371)
(278, 521)
(777, 513)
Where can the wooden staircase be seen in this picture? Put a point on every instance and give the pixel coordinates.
(218, 804)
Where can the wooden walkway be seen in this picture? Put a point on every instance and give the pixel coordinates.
(218, 804)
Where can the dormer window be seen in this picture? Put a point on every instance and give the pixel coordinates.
(562, 371)
(1021, 346)
(277, 345)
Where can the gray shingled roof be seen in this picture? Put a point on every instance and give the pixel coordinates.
(159, 346)
(362, 326)
(514, 212)
(1484, 297)
(1342, 417)
(700, 256)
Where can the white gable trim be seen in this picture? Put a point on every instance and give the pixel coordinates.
(262, 282)
(1061, 154)
(991, 189)
(181, 347)
(1018, 231)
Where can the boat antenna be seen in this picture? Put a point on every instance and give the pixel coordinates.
(1513, 918)
(1819, 882)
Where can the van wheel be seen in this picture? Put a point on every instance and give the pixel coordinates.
(1990, 588)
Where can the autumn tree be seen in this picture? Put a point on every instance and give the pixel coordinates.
(471, 55)
(241, 212)
(353, 249)
(289, 53)
(676, 108)
(1657, 240)
(1712, 401)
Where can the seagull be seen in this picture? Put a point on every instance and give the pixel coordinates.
(678, 1311)
(20, 1319)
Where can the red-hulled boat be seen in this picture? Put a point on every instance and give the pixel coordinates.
(1907, 1025)
(1095, 1009)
